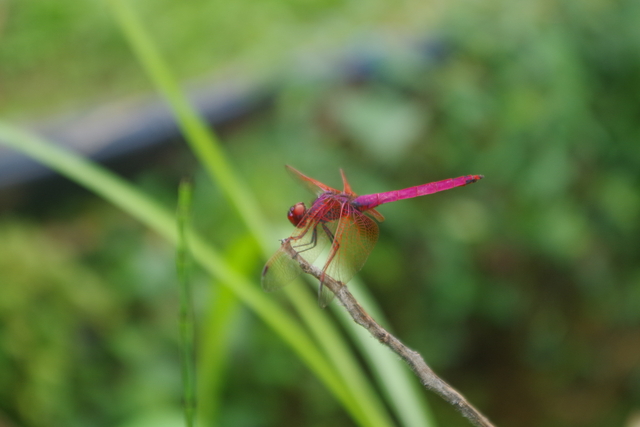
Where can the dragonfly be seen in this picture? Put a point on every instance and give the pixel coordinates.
(343, 222)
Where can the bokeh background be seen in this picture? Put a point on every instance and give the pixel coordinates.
(523, 290)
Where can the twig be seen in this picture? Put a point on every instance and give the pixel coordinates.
(427, 377)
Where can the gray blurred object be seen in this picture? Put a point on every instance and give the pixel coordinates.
(118, 130)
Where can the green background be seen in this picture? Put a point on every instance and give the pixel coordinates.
(522, 290)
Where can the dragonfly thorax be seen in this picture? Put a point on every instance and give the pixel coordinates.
(296, 213)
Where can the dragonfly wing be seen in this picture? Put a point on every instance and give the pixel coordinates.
(309, 242)
(313, 185)
(355, 237)
(279, 271)
(377, 215)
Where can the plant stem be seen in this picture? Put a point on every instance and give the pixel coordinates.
(415, 361)
(187, 324)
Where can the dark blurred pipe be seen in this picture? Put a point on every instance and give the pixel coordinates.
(122, 129)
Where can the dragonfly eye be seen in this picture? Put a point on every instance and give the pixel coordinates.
(296, 212)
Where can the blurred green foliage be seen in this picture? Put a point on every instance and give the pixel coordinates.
(81, 324)
(72, 54)
(523, 290)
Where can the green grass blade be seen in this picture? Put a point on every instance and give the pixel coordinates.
(186, 317)
(198, 135)
(397, 382)
(126, 197)
(342, 356)
(215, 341)
(207, 148)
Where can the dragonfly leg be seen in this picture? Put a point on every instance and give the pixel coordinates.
(328, 232)
(334, 251)
(312, 243)
(332, 240)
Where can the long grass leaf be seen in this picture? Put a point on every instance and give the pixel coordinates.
(398, 384)
(207, 148)
(198, 135)
(215, 342)
(127, 198)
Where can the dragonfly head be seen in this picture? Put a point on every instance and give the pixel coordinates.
(296, 213)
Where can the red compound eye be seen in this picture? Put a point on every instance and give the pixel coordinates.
(296, 212)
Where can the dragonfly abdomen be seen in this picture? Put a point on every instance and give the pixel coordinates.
(370, 201)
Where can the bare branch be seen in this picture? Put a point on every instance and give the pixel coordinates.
(427, 377)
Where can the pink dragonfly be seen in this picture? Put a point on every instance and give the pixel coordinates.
(338, 218)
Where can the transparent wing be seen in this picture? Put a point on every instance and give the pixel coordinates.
(355, 237)
(279, 271)
(315, 186)
(308, 241)
(377, 215)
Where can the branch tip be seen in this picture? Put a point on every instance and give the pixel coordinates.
(415, 361)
